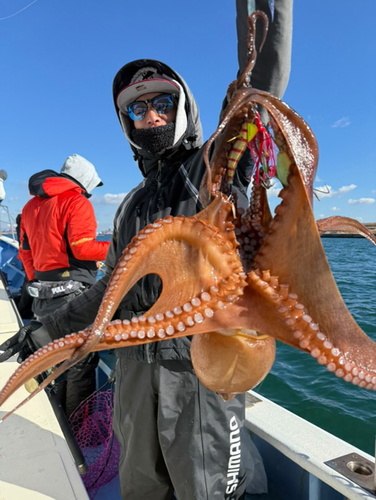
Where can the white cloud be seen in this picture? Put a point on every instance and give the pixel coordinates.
(341, 123)
(335, 209)
(346, 189)
(362, 201)
(274, 191)
(327, 191)
(108, 199)
(114, 199)
(360, 219)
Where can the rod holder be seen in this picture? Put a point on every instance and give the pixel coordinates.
(357, 469)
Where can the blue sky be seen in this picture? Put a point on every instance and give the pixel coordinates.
(58, 59)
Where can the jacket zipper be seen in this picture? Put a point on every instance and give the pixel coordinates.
(149, 357)
(158, 180)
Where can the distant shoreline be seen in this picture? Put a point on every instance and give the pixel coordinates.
(330, 234)
(325, 235)
(341, 234)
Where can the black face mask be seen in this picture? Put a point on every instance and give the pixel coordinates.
(154, 140)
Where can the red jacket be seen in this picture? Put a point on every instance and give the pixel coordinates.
(58, 230)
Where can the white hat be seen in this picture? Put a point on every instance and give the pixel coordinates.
(133, 91)
(82, 170)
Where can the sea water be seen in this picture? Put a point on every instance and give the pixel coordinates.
(298, 383)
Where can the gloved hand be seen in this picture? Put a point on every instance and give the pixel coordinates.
(26, 341)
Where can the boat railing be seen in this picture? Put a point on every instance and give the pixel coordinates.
(7, 222)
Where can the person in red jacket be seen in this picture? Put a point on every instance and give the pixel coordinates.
(59, 252)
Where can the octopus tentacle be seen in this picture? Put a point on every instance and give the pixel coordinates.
(44, 358)
(160, 231)
(251, 228)
(300, 261)
(185, 301)
(307, 336)
(245, 76)
(216, 168)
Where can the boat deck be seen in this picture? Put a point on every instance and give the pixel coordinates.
(35, 461)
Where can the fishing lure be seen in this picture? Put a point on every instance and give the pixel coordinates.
(247, 133)
(261, 145)
(263, 152)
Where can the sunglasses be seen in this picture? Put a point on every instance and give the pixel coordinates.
(161, 104)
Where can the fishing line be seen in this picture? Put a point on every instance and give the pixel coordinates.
(18, 12)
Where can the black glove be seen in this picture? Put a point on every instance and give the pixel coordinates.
(26, 341)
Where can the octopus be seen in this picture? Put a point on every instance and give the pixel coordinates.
(235, 280)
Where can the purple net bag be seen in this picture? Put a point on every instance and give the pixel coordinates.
(91, 425)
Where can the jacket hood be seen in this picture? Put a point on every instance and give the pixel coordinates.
(48, 183)
(80, 169)
(188, 130)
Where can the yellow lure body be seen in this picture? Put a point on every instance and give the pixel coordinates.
(247, 133)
